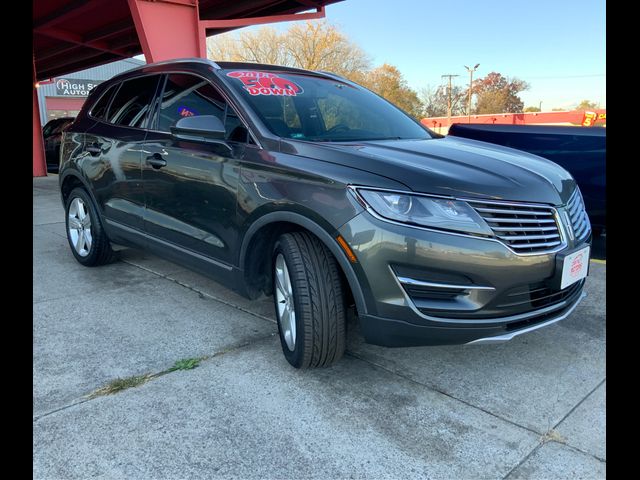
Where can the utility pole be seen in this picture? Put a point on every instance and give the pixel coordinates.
(540, 107)
(449, 98)
(470, 70)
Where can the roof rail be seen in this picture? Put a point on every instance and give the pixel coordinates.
(178, 60)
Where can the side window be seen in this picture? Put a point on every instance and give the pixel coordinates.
(99, 110)
(132, 104)
(187, 95)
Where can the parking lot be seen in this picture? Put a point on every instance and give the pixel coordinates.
(530, 408)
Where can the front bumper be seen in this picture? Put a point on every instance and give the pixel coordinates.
(424, 287)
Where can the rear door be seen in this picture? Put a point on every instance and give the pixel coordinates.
(114, 146)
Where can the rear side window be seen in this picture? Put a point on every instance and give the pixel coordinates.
(99, 110)
(132, 104)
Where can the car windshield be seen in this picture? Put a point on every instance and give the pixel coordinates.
(307, 107)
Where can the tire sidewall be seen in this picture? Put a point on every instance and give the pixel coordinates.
(95, 231)
(296, 356)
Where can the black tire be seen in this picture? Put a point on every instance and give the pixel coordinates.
(100, 252)
(318, 299)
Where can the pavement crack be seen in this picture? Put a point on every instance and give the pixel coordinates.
(201, 293)
(435, 389)
(148, 377)
(543, 436)
(524, 459)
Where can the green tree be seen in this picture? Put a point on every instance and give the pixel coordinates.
(532, 109)
(498, 94)
(587, 105)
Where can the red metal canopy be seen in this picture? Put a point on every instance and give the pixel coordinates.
(71, 35)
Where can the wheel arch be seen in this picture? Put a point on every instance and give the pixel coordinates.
(71, 179)
(265, 225)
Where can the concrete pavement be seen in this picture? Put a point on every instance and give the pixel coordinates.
(530, 408)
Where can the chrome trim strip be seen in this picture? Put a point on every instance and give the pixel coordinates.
(508, 336)
(513, 212)
(421, 283)
(518, 220)
(169, 244)
(514, 238)
(524, 229)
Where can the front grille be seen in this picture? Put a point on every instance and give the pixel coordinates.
(524, 228)
(578, 215)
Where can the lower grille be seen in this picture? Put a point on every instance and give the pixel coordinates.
(537, 296)
(519, 300)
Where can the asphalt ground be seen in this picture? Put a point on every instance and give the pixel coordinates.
(530, 408)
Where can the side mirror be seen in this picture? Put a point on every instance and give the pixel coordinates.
(203, 128)
(199, 128)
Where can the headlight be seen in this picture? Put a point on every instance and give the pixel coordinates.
(439, 213)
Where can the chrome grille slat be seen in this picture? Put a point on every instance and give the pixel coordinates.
(526, 229)
(518, 220)
(513, 238)
(514, 212)
(578, 216)
(536, 245)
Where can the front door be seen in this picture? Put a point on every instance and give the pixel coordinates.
(190, 187)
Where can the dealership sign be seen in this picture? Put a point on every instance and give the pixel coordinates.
(75, 87)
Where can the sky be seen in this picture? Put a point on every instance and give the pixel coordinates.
(557, 46)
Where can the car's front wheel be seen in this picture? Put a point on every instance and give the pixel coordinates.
(309, 301)
(87, 239)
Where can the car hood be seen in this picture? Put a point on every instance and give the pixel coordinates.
(455, 166)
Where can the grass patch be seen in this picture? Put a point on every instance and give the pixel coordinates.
(553, 436)
(120, 384)
(185, 364)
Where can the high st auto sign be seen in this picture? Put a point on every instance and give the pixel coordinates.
(75, 87)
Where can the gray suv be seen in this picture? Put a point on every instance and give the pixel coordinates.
(310, 188)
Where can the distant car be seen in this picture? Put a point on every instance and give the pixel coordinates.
(52, 134)
(308, 187)
(579, 150)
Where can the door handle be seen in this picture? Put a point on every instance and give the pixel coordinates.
(156, 161)
(93, 148)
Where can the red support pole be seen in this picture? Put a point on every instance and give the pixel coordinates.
(39, 162)
(168, 29)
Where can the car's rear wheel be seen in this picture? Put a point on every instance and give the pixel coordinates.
(87, 239)
(309, 301)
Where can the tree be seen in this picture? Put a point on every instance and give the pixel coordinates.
(587, 105)
(388, 82)
(312, 46)
(532, 109)
(316, 46)
(435, 101)
(498, 94)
